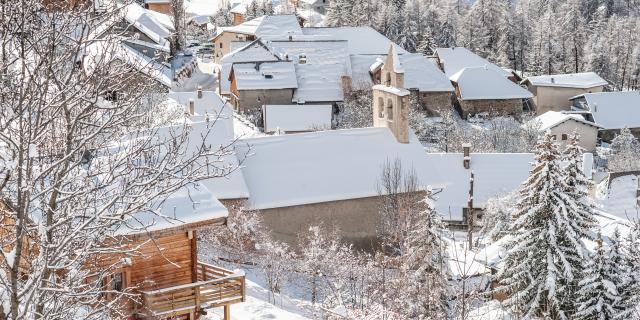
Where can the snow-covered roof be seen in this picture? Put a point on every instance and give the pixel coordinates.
(456, 59)
(221, 133)
(102, 53)
(264, 75)
(361, 69)
(392, 90)
(495, 174)
(267, 27)
(147, 23)
(297, 118)
(362, 40)
(202, 7)
(254, 51)
(614, 110)
(582, 80)
(320, 76)
(192, 204)
(239, 8)
(323, 166)
(163, 19)
(551, 119)
(481, 83)
(423, 75)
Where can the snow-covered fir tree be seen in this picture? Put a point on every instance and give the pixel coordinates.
(577, 185)
(625, 152)
(629, 289)
(598, 294)
(545, 251)
(424, 265)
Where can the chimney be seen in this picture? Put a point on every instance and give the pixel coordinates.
(466, 152)
(199, 92)
(553, 80)
(191, 109)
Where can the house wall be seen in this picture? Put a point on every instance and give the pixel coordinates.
(556, 98)
(160, 7)
(588, 134)
(356, 219)
(225, 39)
(248, 99)
(435, 102)
(509, 106)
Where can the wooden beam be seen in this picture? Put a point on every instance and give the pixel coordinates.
(227, 312)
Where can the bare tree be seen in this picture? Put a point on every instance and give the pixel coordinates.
(79, 158)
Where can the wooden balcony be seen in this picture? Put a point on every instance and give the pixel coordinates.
(216, 287)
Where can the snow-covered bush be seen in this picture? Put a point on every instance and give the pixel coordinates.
(357, 110)
(625, 152)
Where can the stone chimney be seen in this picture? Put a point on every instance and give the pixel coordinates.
(466, 153)
(199, 92)
(190, 109)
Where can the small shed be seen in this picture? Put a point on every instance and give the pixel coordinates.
(297, 118)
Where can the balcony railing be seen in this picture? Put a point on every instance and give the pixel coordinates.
(216, 287)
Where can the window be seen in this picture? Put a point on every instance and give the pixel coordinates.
(387, 81)
(564, 137)
(380, 107)
(220, 45)
(117, 282)
(554, 138)
(389, 109)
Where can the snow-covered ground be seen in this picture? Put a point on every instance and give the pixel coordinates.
(622, 199)
(256, 307)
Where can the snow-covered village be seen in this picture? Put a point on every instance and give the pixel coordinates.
(320, 159)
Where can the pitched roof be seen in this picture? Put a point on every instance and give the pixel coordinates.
(220, 132)
(267, 27)
(320, 76)
(323, 166)
(614, 110)
(362, 40)
(456, 59)
(423, 75)
(583, 80)
(254, 51)
(297, 118)
(551, 119)
(495, 174)
(264, 75)
(480, 83)
(147, 23)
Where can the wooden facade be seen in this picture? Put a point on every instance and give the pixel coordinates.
(166, 278)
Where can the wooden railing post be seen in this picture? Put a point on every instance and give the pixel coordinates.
(243, 289)
(197, 298)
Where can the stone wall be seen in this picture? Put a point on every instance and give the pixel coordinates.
(506, 107)
(435, 102)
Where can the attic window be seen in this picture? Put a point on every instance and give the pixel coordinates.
(564, 137)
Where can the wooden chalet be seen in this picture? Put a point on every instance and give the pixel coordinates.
(164, 277)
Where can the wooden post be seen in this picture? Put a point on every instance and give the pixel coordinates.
(227, 312)
(470, 213)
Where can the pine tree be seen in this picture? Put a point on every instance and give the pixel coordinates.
(598, 295)
(540, 265)
(629, 289)
(424, 265)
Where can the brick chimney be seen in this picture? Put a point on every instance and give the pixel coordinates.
(466, 152)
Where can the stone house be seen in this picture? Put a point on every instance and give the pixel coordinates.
(422, 78)
(552, 92)
(254, 84)
(612, 111)
(482, 90)
(562, 126)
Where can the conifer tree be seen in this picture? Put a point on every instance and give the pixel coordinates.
(598, 295)
(540, 265)
(630, 288)
(424, 264)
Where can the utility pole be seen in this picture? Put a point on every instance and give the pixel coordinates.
(470, 213)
